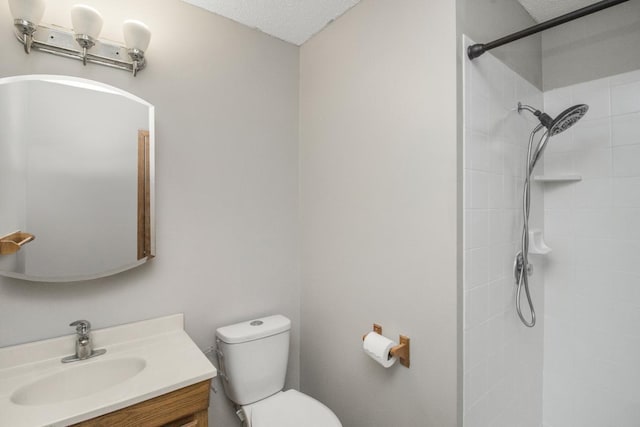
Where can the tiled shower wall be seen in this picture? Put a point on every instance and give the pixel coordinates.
(592, 284)
(502, 358)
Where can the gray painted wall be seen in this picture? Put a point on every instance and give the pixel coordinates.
(599, 45)
(378, 211)
(226, 100)
(486, 20)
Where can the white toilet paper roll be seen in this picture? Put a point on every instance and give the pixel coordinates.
(378, 347)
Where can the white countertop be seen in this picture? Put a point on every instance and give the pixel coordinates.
(173, 361)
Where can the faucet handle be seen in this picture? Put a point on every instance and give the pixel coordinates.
(82, 326)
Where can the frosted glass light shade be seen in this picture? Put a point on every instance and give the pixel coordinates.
(136, 34)
(86, 20)
(29, 10)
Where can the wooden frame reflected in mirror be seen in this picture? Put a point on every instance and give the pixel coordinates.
(144, 196)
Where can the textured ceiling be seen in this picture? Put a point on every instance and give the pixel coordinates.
(294, 21)
(543, 10)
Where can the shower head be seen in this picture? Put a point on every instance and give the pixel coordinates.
(562, 122)
(568, 118)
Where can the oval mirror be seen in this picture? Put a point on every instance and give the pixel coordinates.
(76, 179)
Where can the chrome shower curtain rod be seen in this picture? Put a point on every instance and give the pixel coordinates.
(478, 49)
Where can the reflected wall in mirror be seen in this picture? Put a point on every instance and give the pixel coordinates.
(77, 173)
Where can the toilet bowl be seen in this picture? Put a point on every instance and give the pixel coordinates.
(253, 358)
(289, 409)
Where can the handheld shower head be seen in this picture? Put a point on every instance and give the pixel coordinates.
(562, 122)
(568, 118)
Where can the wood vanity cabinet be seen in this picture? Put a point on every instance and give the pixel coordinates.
(186, 407)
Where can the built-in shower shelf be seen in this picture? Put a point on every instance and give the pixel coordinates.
(557, 178)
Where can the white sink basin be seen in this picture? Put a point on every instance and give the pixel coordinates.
(144, 360)
(78, 381)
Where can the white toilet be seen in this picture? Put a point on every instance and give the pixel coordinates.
(253, 359)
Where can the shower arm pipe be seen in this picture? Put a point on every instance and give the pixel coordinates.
(476, 50)
(529, 108)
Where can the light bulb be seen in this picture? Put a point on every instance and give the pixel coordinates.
(86, 21)
(136, 35)
(29, 10)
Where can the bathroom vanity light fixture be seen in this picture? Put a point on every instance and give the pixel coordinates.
(137, 37)
(87, 24)
(82, 41)
(27, 16)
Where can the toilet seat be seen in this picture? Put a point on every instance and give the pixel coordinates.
(290, 409)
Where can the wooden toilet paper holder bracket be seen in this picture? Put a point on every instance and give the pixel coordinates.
(402, 351)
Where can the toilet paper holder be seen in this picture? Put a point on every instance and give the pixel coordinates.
(401, 351)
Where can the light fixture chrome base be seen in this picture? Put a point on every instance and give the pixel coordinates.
(86, 42)
(137, 56)
(26, 29)
(63, 42)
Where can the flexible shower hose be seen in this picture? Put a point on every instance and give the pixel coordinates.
(522, 259)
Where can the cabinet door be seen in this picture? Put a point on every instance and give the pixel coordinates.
(187, 405)
(200, 419)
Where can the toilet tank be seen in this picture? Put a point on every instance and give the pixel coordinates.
(253, 357)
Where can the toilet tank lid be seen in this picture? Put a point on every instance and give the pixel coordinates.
(253, 329)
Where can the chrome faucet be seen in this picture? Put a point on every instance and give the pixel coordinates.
(84, 345)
